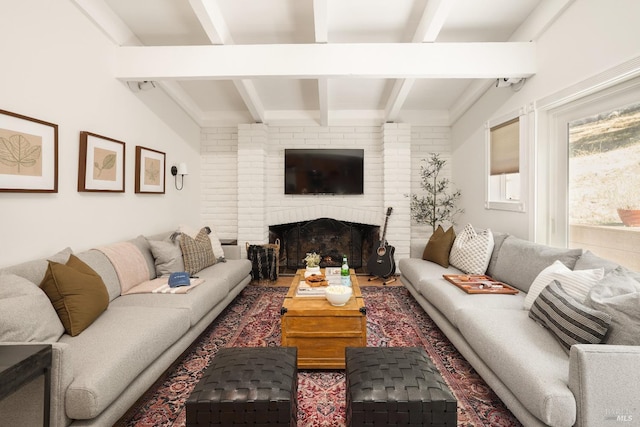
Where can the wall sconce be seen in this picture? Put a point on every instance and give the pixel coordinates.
(181, 170)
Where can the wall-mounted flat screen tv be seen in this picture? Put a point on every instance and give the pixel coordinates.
(323, 171)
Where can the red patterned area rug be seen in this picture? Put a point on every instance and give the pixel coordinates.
(394, 319)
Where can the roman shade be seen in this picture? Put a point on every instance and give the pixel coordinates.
(505, 147)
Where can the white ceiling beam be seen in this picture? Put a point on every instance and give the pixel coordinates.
(531, 29)
(433, 18)
(320, 21)
(321, 28)
(401, 60)
(323, 101)
(540, 19)
(106, 19)
(397, 97)
(213, 23)
(431, 22)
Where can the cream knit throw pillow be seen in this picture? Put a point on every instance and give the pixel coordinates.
(471, 251)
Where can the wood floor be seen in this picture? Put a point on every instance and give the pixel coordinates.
(363, 280)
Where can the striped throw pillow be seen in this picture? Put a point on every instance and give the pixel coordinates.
(568, 320)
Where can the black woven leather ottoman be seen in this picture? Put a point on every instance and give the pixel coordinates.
(396, 386)
(247, 386)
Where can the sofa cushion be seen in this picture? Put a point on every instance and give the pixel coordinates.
(471, 250)
(99, 262)
(439, 246)
(114, 351)
(570, 321)
(426, 277)
(197, 252)
(526, 358)
(77, 293)
(232, 272)
(530, 259)
(498, 240)
(26, 314)
(618, 294)
(145, 249)
(576, 283)
(34, 270)
(167, 256)
(588, 261)
(196, 303)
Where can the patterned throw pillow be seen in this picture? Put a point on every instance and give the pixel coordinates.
(197, 253)
(439, 246)
(570, 321)
(471, 251)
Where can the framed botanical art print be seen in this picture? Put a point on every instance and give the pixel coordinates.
(28, 154)
(101, 165)
(150, 170)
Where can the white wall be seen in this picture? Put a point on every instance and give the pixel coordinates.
(590, 37)
(57, 67)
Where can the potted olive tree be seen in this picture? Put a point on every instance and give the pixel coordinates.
(438, 204)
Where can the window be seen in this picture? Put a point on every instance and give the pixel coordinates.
(506, 147)
(588, 167)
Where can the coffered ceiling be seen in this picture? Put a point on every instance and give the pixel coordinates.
(326, 62)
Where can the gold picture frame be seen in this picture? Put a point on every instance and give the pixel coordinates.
(101, 164)
(150, 171)
(28, 154)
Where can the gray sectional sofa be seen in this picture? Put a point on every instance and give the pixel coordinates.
(99, 374)
(540, 382)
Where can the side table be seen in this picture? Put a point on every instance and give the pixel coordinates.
(19, 364)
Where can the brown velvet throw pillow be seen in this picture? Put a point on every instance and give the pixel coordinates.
(77, 293)
(439, 246)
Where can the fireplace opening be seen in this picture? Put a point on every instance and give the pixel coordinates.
(328, 237)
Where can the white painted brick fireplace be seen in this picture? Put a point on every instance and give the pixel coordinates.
(243, 178)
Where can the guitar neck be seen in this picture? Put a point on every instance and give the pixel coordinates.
(384, 230)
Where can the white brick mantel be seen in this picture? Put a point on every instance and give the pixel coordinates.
(243, 178)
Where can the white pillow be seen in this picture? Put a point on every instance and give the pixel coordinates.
(575, 282)
(471, 250)
(578, 283)
(218, 252)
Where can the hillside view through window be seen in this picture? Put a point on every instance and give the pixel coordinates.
(604, 166)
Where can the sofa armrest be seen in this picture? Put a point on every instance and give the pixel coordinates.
(605, 381)
(231, 251)
(17, 405)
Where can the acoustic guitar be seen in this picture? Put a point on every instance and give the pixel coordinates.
(381, 262)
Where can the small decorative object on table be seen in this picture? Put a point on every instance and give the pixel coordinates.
(344, 272)
(316, 280)
(312, 261)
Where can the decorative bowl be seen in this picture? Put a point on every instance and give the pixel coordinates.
(338, 295)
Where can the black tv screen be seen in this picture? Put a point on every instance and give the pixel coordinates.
(323, 171)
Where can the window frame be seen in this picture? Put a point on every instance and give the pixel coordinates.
(523, 140)
(608, 91)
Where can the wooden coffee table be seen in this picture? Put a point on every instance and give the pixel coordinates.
(320, 331)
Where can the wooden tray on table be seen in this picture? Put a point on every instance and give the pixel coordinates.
(479, 284)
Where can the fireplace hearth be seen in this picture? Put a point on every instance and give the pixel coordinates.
(328, 237)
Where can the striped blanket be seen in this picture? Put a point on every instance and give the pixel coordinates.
(161, 286)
